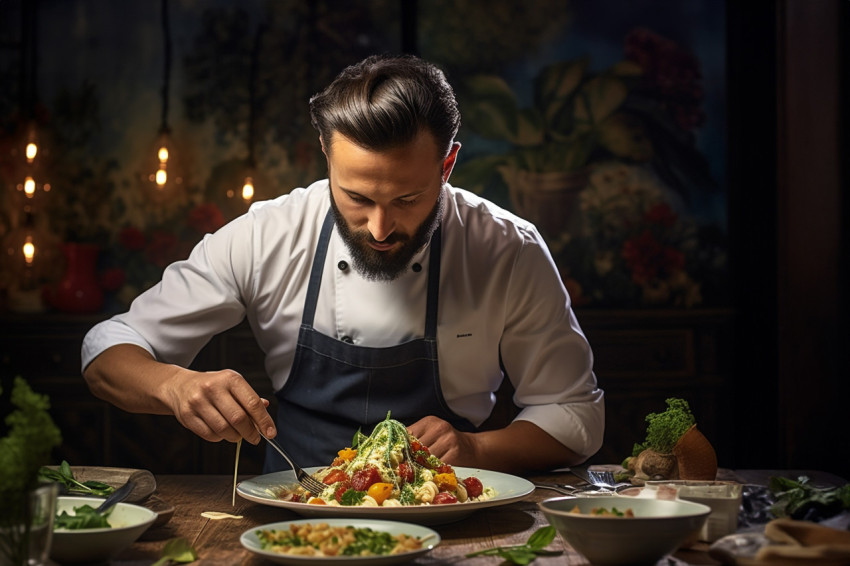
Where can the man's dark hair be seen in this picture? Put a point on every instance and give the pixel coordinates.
(385, 101)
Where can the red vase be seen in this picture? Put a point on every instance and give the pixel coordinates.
(79, 291)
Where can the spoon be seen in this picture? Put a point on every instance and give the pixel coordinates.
(117, 496)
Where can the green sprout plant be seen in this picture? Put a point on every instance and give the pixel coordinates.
(29, 436)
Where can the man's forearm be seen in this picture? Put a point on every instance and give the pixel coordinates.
(522, 447)
(130, 378)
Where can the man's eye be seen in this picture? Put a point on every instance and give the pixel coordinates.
(358, 199)
(409, 202)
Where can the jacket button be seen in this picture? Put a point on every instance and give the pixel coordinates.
(416, 267)
(342, 265)
(347, 339)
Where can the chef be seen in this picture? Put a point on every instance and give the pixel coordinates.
(380, 289)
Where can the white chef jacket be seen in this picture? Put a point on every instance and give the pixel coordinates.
(500, 291)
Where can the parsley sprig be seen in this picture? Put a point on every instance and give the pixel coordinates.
(800, 499)
(65, 477)
(523, 553)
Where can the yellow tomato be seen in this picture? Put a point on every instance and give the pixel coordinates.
(380, 491)
(316, 501)
(446, 482)
(347, 454)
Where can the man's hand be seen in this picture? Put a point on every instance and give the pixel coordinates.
(218, 405)
(445, 441)
(521, 447)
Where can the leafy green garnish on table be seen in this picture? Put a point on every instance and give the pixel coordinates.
(798, 499)
(524, 553)
(665, 429)
(84, 517)
(177, 550)
(65, 477)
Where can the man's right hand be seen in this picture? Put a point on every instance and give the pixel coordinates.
(217, 405)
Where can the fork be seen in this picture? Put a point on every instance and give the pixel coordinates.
(605, 480)
(308, 482)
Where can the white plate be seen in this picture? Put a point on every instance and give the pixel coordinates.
(250, 541)
(509, 489)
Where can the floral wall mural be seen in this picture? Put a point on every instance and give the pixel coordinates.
(603, 126)
(606, 130)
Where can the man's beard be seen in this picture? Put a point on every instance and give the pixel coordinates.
(389, 265)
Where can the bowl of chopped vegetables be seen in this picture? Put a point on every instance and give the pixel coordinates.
(612, 530)
(81, 534)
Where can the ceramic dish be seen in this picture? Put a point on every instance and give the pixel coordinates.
(509, 489)
(658, 527)
(430, 539)
(128, 522)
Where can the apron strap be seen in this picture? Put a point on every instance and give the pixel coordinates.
(316, 271)
(433, 284)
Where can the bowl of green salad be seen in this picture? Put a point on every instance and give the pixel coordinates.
(81, 534)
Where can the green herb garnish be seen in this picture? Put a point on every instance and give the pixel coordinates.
(31, 435)
(524, 553)
(796, 499)
(665, 429)
(85, 517)
(64, 476)
(352, 497)
(27, 436)
(177, 550)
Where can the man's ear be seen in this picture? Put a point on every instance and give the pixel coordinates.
(449, 161)
(322, 143)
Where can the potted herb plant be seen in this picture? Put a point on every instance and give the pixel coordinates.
(26, 506)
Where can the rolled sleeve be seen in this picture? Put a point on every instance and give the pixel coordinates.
(547, 357)
(109, 333)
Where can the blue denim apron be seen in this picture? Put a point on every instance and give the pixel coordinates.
(336, 388)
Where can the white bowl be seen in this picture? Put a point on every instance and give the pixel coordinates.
(658, 528)
(127, 521)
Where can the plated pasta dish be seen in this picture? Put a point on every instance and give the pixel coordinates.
(389, 468)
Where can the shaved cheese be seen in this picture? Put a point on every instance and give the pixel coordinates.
(217, 515)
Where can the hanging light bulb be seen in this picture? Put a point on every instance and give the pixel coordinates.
(248, 189)
(28, 250)
(163, 170)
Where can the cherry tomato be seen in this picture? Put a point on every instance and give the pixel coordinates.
(446, 482)
(406, 472)
(362, 479)
(473, 486)
(341, 488)
(335, 476)
(444, 469)
(295, 498)
(379, 491)
(443, 498)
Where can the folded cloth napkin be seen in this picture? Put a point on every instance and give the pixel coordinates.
(786, 542)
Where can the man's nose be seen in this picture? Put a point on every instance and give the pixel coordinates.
(381, 223)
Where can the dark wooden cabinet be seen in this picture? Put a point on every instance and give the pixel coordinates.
(641, 358)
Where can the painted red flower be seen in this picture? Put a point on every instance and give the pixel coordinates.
(205, 218)
(132, 239)
(661, 214)
(163, 249)
(648, 259)
(112, 279)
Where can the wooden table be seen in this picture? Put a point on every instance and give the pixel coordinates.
(217, 541)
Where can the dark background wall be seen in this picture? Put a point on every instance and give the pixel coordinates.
(788, 237)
